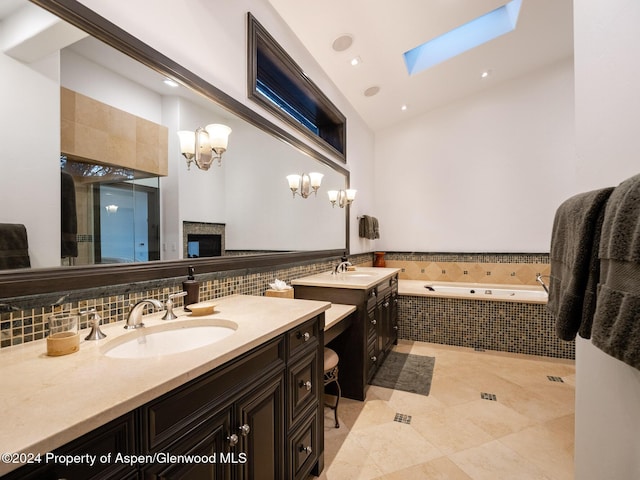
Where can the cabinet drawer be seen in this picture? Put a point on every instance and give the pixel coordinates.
(170, 416)
(302, 337)
(303, 385)
(303, 448)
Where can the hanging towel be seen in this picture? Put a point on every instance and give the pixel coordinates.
(14, 246)
(68, 217)
(366, 227)
(616, 323)
(376, 228)
(574, 262)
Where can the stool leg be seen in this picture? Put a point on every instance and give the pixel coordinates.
(335, 409)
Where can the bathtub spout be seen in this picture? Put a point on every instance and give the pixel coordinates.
(541, 282)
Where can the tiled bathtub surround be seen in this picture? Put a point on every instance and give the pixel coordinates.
(502, 268)
(112, 303)
(489, 325)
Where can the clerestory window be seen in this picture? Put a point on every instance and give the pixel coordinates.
(278, 84)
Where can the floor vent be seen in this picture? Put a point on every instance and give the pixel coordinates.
(555, 379)
(488, 396)
(402, 418)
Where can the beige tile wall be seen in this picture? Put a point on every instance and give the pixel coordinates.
(473, 272)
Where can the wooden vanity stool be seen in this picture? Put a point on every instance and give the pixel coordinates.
(331, 360)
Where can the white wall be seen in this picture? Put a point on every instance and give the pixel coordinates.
(607, 71)
(209, 38)
(30, 139)
(81, 75)
(484, 174)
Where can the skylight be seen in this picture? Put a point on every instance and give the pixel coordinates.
(465, 37)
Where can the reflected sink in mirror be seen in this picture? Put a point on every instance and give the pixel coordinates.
(177, 337)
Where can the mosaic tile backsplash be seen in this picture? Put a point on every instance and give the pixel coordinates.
(113, 303)
(514, 327)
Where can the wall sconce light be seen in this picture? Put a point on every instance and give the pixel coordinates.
(341, 197)
(111, 208)
(204, 145)
(304, 184)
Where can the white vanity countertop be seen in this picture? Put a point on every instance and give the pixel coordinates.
(360, 278)
(49, 401)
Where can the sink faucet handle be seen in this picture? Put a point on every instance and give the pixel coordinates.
(94, 319)
(169, 315)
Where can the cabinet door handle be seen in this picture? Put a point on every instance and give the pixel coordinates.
(386, 304)
(306, 449)
(306, 384)
(233, 439)
(244, 430)
(304, 336)
(395, 327)
(374, 321)
(374, 358)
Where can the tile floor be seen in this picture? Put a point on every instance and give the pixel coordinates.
(454, 434)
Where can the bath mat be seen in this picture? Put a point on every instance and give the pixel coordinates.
(409, 373)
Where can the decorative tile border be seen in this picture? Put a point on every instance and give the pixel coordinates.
(500, 268)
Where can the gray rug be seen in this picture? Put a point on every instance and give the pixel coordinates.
(409, 373)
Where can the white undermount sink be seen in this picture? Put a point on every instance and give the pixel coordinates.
(176, 337)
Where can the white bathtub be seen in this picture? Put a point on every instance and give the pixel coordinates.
(504, 293)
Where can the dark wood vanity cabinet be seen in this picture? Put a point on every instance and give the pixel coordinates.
(117, 436)
(257, 417)
(372, 334)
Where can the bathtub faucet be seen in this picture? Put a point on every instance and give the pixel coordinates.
(541, 282)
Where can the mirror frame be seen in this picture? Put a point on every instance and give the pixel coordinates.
(19, 283)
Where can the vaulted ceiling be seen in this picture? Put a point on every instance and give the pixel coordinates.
(382, 31)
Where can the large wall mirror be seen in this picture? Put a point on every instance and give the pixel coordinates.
(142, 223)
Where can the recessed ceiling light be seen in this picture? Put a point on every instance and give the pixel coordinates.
(371, 91)
(355, 61)
(485, 74)
(403, 108)
(170, 83)
(343, 42)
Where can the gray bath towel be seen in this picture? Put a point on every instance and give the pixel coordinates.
(616, 323)
(14, 246)
(368, 227)
(574, 262)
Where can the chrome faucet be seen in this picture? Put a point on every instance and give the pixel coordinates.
(342, 267)
(134, 319)
(541, 282)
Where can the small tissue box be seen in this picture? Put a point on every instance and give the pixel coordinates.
(279, 289)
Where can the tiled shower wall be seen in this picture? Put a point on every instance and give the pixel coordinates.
(113, 303)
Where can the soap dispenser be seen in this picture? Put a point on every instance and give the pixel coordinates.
(192, 287)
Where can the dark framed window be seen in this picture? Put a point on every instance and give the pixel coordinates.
(278, 84)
